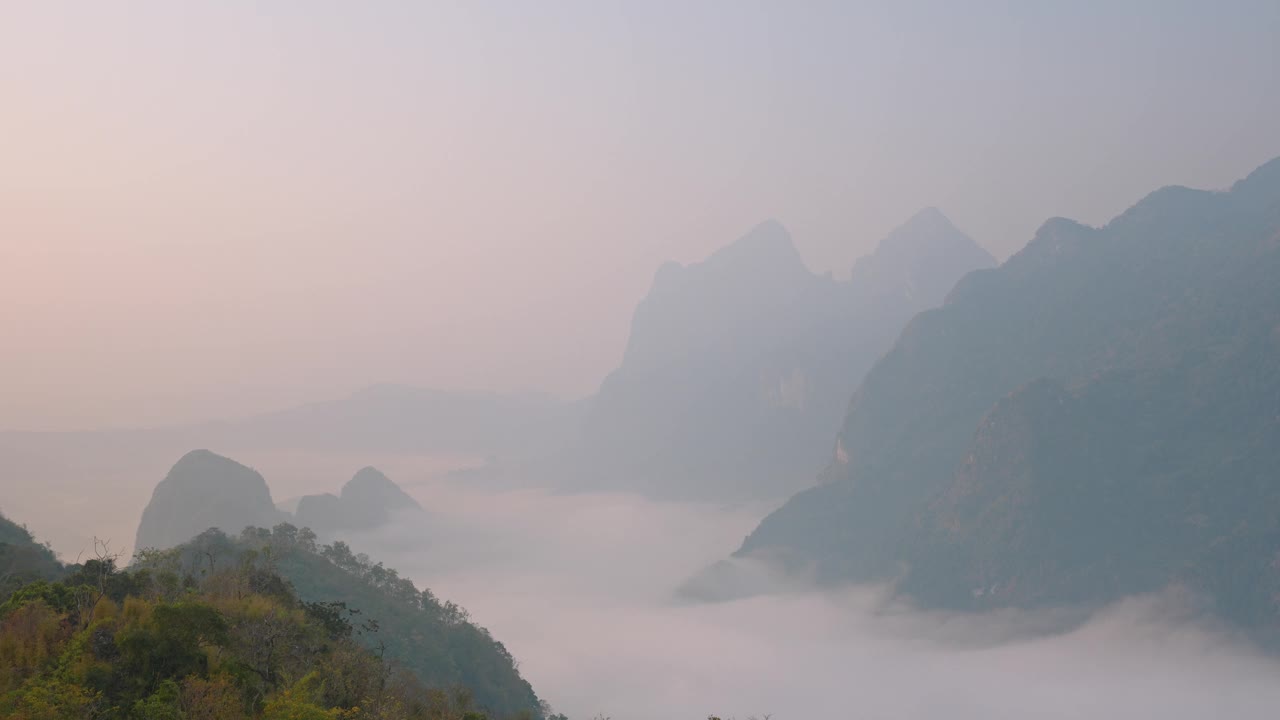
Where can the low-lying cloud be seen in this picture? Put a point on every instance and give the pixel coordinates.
(581, 590)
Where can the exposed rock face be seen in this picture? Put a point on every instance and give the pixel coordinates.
(201, 491)
(205, 490)
(322, 513)
(739, 368)
(367, 501)
(1097, 417)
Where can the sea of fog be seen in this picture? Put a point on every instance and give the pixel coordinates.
(580, 589)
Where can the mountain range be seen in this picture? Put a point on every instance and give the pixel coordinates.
(1097, 417)
(737, 370)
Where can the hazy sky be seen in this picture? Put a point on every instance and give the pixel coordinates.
(212, 208)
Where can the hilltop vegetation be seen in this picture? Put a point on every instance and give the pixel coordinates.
(435, 639)
(215, 630)
(22, 559)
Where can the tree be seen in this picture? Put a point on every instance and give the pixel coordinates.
(95, 576)
(215, 698)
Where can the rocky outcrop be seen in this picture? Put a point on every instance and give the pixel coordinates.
(204, 490)
(367, 501)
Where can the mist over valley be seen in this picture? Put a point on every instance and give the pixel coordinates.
(728, 360)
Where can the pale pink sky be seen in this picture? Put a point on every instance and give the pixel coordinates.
(208, 209)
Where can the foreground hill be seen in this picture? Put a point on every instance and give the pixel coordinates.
(22, 559)
(739, 367)
(435, 640)
(266, 626)
(1094, 418)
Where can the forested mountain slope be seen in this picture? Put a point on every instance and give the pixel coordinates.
(22, 559)
(434, 639)
(267, 626)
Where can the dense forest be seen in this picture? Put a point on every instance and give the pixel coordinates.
(435, 639)
(268, 625)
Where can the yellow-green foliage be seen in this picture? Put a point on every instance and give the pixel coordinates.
(216, 650)
(302, 701)
(30, 639)
(48, 698)
(212, 698)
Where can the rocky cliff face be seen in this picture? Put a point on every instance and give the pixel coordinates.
(201, 491)
(739, 368)
(367, 501)
(204, 490)
(1094, 418)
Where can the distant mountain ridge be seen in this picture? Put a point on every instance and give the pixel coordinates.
(738, 368)
(116, 470)
(736, 374)
(405, 418)
(1094, 418)
(217, 621)
(921, 260)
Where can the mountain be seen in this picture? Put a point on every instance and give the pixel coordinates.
(373, 495)
(366, 502)
(919, 262)
(738, 368)
(202, 491)
(1094, 418)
